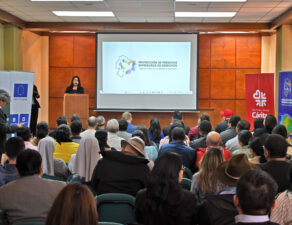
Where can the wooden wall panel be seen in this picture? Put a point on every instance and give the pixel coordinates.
(223, 61)
(248, 52)
(240, 81)
(222, 83)
(84, 58)
(223, 51)
(204, 83)
(60, 50)
(204, 51)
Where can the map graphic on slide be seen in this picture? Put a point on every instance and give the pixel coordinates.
(125, 66)
(287, 122)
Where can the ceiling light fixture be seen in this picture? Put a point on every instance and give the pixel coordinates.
(84, 13)
(205, 14)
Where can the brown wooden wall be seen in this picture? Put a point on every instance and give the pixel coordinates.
(223, 61)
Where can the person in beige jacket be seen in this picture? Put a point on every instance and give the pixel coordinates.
(30, 197)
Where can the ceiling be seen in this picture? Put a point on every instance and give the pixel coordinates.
(147, 11)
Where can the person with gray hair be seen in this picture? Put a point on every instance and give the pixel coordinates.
(100, 123)
(90, 132)
(114, 141)
(4, 127)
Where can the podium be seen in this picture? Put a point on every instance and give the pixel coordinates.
(76, 104)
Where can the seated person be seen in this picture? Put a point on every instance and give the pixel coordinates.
(194, 131)
(25, 134)
(64, 145)
(92, 124)
(29, 197)
(76, 128)
(122, 133)
(8, 171)
(42, 130)
(122, 172)
(128, 117)
(100, 123)
(60, 120)
(230, 132)
(114, 141)
(244, 137)
(205, 127)
(178, 146)
(164, 201)
(176, 116)
(255, 198)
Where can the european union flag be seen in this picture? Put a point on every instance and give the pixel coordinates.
(20, 90)
(23, 118)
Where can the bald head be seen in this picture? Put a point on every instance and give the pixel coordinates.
(92, 122)
(213, 139)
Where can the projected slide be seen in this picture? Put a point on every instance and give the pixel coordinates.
(146, 68)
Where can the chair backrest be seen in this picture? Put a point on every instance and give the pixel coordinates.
(45, 176)
(187, 173)
(186, 184)
(115, 207)
(28, 222)
(75, 178)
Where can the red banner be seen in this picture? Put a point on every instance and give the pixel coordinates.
(259, 93)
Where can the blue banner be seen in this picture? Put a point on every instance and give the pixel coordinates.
(285, 100)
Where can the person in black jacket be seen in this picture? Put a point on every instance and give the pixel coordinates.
(34, 110)
(75, 87)
(164, 202)
(255, 197)
(4, 127)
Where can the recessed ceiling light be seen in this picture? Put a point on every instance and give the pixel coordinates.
(205, 14)
(211, 0)
(66, 0)
(84, 13)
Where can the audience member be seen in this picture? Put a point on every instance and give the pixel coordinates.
(100, 123)
(64, 145)
(74, 205)
(42, 130)
(25, 134)
(221, 205)
(255, 198)
(128, 116)
(275, 148)
(176, 116)
(122, 133)
(122, 172)
(163, 201)
(75, 117)
(101, 136)
(51, 166)
(29, 197)
(243, 138)
(258, 123)
(178, 146)
(205, 182)
(282, 214)
(222, 126)
(282, 130)
(5, 128)
(230, 132)
(155, 133)
(114, 141)
(233, 143)
(257, 151)
(150, 150)
(76, 128)
(60, 120)
(205, 127)
(87, 157)
(194, 131)
(269, 123)
(8, 171)
(90, 132)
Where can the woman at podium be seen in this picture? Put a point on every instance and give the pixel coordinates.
(75, 87)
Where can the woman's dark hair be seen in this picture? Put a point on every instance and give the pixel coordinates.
(63, 133)
(28, 163)
(79, 83)
(42, 130)
(139, 133)
(270, 123)
(258, 123)
(74, 205)
(176, 123)
(24, 133)
(155, 130)
(101, 136)
(163, 190)
(280, 129)
(145, 132)
(256, 145)
(244, 136)
(76, 127)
